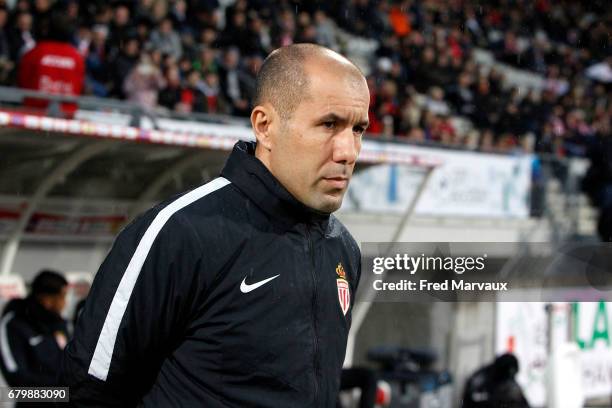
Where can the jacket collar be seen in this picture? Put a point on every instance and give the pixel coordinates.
(252, 177)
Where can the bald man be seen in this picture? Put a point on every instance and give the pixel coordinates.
(239, 292)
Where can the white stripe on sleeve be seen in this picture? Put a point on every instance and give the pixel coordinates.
(7, 356)
(101, 360)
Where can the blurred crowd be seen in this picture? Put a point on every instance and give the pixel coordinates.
(426, 73)
(426, 84)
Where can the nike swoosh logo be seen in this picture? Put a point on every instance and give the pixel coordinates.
(245, 288)
(35, 341)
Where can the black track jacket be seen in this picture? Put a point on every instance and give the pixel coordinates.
(28, 345)
(232, 295)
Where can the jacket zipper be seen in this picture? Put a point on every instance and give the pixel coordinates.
(314, 320)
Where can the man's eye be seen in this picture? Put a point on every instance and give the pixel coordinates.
(329, 124)
(359, 129)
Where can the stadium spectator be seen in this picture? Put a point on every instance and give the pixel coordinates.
(6, 64)
(120, 28)
(193, 98)
(461, 95)
(96, 62)
(435, 101)
(206, 61)
(231, 86)
(35, 333)
(144, 25)
(248, 74)
(236, 33)
(144, 82)
(326, 30)
(122, 64)
(21, 37)
(166, 40)
(53, 66)
(179, 14)
(259, 36)
(170, 95)
(215, 101)
(82, 39)
(601, 72)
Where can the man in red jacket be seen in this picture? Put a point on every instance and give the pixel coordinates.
(53, 66)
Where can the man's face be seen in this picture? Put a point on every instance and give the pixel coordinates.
(231, 59)
(131, 48)
(166, 26)
(122, 15)
(25, 22)
(314, 152)
(55, 303)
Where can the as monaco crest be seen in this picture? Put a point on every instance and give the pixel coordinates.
(344, 293)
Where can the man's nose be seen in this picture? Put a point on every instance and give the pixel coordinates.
(346, 147)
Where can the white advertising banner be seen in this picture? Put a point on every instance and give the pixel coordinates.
(522, 328)
(463, 184)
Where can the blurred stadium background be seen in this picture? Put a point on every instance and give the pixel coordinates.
(490, 123)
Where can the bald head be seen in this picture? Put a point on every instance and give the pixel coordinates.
(283, 80)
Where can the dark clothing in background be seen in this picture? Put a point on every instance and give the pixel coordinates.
(30, 351)
(364, 379)
(494, 386)
(597, 184)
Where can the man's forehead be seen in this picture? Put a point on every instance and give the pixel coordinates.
(340, 102)
(345, 102)
(336, 84)
(334, 107)
(335, 87)
(333, 65)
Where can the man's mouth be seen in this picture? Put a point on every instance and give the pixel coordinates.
(337, 182)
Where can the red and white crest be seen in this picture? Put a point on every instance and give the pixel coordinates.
(344, 295)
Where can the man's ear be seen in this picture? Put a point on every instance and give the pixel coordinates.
(262, 121)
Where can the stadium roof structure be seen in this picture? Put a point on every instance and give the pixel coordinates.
(97, 167)
(119, 151)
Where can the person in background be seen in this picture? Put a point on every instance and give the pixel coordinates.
(6, 65)
(170, 96)
(144, 82)
(215, 102)
(54, 65)
(166, 39)
(121, 29)
(231, 87)
(96, 62)
(34, 333)
(248, 76)
(494, 385)
(121, 64)
(21, 38)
